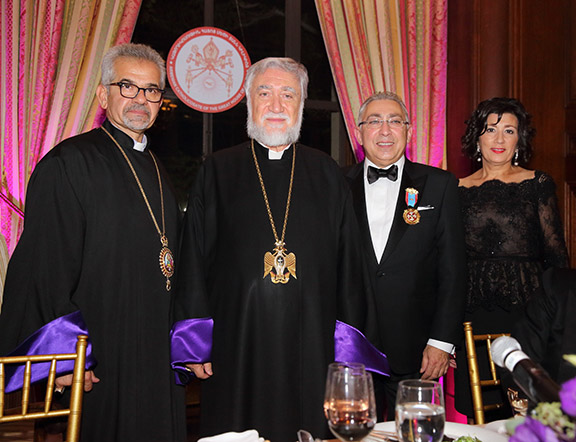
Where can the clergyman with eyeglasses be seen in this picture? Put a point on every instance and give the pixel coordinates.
(413, 237)
(97, 255)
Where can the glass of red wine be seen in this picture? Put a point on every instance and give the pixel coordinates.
(349, 402)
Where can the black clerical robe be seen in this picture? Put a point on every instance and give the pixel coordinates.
(272, 343)
(89, 244)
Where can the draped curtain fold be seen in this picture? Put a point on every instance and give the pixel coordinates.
(50, 55)
(393, 45)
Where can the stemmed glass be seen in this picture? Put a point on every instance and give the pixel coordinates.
(336, 366)
(420, 414)
(349, 402)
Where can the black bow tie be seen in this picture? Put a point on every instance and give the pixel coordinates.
(374, 173)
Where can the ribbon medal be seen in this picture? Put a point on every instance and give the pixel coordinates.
(411, 215)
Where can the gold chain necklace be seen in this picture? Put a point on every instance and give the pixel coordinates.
(283, 264)
(166, 257)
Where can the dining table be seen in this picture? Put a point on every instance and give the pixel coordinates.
(386, 432)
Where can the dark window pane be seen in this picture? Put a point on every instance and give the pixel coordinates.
(259, 25)
(314, 55)
(161, 22)
(229, 127)
(316, 129)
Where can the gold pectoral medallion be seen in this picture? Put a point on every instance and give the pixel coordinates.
(279, 265)
(166, 261)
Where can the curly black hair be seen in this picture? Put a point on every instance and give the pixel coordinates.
(499, 105)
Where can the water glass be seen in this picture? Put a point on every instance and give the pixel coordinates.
(420, 413)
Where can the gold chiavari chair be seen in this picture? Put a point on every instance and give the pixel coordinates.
(476, 383)
(25, 412)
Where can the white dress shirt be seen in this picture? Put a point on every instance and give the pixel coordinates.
(381, 199)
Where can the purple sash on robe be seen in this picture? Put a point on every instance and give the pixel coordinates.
(350, 345)
(191, 343)
(58, 336)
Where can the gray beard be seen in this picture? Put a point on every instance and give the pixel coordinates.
(273, 139)
(136, 124)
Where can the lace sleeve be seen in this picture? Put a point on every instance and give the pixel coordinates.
(554, 247)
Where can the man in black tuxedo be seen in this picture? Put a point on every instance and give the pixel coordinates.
(412, 230)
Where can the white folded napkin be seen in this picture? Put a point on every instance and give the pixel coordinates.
(245, 436)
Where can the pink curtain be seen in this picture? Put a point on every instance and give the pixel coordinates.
(394, 45)
(50, 56)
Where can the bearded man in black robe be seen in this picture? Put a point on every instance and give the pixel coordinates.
(270, 253)
(99, 215)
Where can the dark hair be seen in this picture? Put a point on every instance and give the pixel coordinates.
(499, 105)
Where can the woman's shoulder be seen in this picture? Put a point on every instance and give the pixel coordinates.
(471, 181)
(544, 183)
(465, 182)
(542, 177)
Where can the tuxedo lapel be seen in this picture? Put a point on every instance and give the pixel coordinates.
(356, 177)
(399, 226)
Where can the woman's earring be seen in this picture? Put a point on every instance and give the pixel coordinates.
(516, 158)
(478, 152)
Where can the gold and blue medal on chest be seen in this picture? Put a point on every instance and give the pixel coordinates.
(411, 215)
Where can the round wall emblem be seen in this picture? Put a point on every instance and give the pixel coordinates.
(206, 68)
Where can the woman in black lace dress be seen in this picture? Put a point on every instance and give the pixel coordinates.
(512, 227)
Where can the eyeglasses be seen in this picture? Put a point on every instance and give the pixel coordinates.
(129, 90)
(377, 123)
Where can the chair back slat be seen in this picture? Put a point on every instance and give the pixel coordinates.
(50, 386)
(26, 387)
(1, 390)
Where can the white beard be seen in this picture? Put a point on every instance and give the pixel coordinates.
(273, 138)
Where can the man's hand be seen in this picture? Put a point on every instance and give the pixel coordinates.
(65, 381)
(201, 371)
(435, 363)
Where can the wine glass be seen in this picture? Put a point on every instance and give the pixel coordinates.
(336, 366)
(420, 414)
(351, 404)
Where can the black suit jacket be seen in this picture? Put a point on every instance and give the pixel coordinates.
(419, 284)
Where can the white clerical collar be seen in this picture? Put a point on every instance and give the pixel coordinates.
(140, 146)
(274, 155)
(400, 163)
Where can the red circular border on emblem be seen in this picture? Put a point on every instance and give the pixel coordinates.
(206, 68)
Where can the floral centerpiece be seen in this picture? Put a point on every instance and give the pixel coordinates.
(551, 421)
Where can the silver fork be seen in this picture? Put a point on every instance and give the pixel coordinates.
(379, 435)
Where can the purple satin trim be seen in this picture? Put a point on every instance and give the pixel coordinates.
(191, 343)
(58, 336)
(352, 346)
